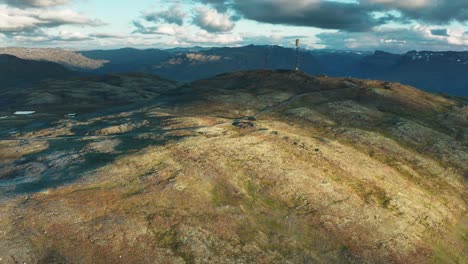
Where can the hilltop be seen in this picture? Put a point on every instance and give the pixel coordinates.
(252, 166)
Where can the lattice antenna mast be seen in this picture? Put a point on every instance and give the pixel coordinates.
(297, 54)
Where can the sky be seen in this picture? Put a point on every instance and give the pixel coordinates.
(365, 25)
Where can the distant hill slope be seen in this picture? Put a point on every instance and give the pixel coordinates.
(244, 167)
(191, 66)
(127, 59)
(67, 58)
(15, 71)
(443, 72)
(188, 64)
(86, 93)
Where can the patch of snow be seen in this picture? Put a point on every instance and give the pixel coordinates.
(24, 112)
(3, 117)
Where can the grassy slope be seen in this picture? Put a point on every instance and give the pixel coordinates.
(358, 172)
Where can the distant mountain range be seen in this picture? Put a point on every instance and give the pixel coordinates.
(127, 59)
(432, 71)
(442, 72)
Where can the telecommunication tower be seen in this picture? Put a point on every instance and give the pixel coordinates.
(297, 54)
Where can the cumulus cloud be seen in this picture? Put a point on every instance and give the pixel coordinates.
(430, 11)
(207, 38)
(65, 35)
(108, 35)
(440, 32)
(162, 29)
(413, 4)
(39, 22)
(213, 21)
(418, 37)
(41, 37)
(220, 5)
(174, 15)
(187, 34)
(206, 18)
(348, 16)
(21, 20)
(143, 29)
(73, 39)
(360, 24)
(35, 3)
(208, 26)
(314, 13)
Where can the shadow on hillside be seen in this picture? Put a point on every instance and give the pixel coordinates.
(69, 160)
